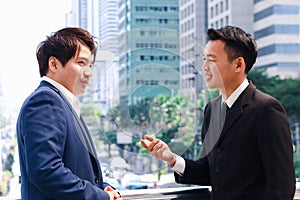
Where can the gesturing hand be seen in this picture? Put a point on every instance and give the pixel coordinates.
(159, 149)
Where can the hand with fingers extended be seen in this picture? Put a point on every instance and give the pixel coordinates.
(159, 149)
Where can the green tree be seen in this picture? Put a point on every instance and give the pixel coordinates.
(91, 115)
(262, 81)
(287, 91)
(297, 164)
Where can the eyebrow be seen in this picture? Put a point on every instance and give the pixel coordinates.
(83, 58)
(209, 55)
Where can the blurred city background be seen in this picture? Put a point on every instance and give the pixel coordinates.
(147, 79)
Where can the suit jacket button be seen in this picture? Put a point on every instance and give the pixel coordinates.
(96, 180)
(218, 149)
(218, 169)
(216, 188)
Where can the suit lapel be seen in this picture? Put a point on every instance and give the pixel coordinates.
(88, 138)
(236, 111)
(79, 123)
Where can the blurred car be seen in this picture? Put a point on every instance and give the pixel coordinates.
(109, 176)
(131, 181)
(107, 171)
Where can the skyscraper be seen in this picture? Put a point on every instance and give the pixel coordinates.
(85, 14)
(108, 26)
(277, 31)
(193, 25)
(230, 12)
(149, 49)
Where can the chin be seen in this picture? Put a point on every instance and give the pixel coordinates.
(79, 93)
(209, 85)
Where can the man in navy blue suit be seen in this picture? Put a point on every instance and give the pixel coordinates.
(57, 155)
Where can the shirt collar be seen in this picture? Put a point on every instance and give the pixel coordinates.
(72, 99)
(234, 96)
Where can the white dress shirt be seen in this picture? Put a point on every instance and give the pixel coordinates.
(73, 100)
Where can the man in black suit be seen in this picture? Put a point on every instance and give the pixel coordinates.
(248, 154)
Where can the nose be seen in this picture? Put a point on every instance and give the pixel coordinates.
(87, 71)
(205, 66)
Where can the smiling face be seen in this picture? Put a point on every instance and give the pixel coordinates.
(76, 74)
(220, 73)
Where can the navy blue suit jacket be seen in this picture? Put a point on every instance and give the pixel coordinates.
(55, 161)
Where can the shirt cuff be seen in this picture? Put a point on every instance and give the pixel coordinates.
(179, 165)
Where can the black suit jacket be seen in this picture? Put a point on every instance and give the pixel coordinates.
(253, 157)
(55, 160)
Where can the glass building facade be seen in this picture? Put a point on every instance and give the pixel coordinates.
(193, 18)
(149, 49)
(276, 29)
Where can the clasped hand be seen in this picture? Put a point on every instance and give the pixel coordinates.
(159, 149)
(113, 194)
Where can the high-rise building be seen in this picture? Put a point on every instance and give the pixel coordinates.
(108, 26)
(149, 49)
(193, 18)
(274, 25)
(230, 12)
(85, 14)
(277, 31)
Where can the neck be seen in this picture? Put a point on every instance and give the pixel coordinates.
(228, 89)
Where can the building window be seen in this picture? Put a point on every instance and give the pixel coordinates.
(152, 33)
(277, 29)
(277, 10)
(226, 5)
(279, 48)
(221, 6)
(227, 20)
(163, 21)
(174, 9)
(192, 22)
(263, 14)
(192, 8)
(222, 22)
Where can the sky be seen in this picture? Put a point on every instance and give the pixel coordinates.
(25, 23)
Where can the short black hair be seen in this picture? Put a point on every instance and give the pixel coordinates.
(63, 45)
(238, 43)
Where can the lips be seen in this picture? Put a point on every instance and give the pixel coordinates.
(85, 82)
(208, 76)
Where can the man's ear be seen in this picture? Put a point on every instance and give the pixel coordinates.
(53, 64)
(240, 65)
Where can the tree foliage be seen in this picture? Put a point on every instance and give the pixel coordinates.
(287, 91)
